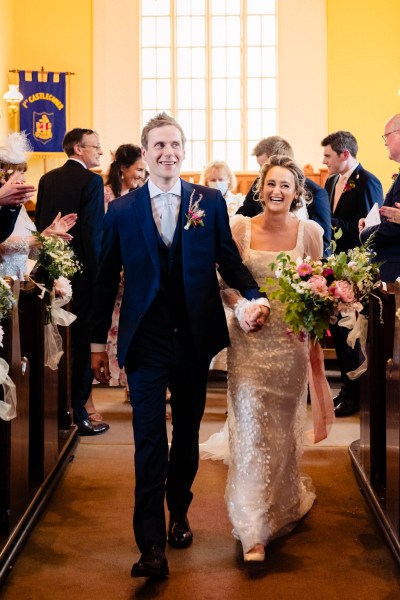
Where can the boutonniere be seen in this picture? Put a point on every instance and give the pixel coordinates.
(349, 185)
(395, 175)
(194, 214)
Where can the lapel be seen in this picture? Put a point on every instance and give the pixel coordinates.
(187, 190)
(141, 206)
(333, 182)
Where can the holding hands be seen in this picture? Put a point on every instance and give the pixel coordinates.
(251, 315)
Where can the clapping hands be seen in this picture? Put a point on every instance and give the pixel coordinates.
(60, 226)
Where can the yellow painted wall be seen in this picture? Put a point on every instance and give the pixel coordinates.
(7, 55)
(58, 37)
(364, 75)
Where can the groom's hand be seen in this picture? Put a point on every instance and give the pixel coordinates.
(100, 367)
(254, 317)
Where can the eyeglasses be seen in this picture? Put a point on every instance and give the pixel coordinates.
(90, 146)
(389, 132)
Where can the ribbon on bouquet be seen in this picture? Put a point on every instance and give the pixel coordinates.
(321, 395)
(8, 406)
(52, 339)
(358, 325)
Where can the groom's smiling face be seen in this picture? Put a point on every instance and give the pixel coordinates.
(164, 154)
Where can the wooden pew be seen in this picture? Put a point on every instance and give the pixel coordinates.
(376, 456)
(14, 434)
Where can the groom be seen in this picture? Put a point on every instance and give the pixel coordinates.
(171, 324)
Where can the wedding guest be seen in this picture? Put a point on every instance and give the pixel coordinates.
(386, 235)
(218, 175)
(21, 243)
(172, 323)
(317, 207)
(268, 373)
(12, 195)
(352, 192)
(127, 172)
(74, 186)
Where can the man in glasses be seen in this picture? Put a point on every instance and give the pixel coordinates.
(74, 188)
(352, 192)
(386, 240)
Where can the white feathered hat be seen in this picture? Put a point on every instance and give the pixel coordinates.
(16, 150)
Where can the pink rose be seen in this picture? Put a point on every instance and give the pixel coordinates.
(317, 284)
(304, 269)
(343, 290)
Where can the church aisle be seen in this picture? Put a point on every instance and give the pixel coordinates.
(83, 547)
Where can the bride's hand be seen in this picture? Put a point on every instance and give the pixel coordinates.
(254, 317)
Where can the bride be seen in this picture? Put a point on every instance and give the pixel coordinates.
(267, 375)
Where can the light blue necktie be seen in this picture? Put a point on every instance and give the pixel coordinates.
(167, 218)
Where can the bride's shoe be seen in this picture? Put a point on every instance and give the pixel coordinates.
(256, 554)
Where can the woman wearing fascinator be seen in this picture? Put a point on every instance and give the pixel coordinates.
(21, 244)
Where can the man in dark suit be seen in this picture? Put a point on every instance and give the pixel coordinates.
(168, 236)
(352, 193)
(74, 188)
(386, 240)
(318, 209)
(12, 195)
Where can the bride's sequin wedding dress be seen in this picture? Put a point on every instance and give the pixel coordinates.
(267, 394)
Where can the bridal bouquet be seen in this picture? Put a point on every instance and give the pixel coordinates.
(6, 304)
(316, 293)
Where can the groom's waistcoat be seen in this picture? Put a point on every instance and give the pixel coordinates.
(168, 313)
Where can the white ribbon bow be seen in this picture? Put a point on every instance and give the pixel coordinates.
(8, 406)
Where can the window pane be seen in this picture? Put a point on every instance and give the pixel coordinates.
(199, 157)
(149, 64)
(218, 125)
(233, 124)
(163, 94)
(148, 32)
(218, 62)
(218, 30)
(218, 151)
(163, 32)
(183, 63)
(268, 30)
(163, 62)
(184, 33)
(149, 93)
(268, 93)
(268, 62)
(184, 93)
(253, 31)
(233, 31)
(254, 92)
(268, 122)
(255, 7)
(155, 7)
(233, 155)
(254, 124)
(233, 93)
(233, 62)
(254, 62)
(198, 32)
(198, 93)
(198, 124)
(199, 61)
(218, 93)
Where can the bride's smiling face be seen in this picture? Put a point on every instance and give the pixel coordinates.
(279, 189)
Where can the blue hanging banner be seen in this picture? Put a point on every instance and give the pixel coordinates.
(42, 111)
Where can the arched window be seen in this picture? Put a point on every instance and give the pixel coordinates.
(212, 64)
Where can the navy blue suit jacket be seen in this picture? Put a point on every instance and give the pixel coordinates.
(386, 240)
(130, 240)
(353, 205)
(8, 216)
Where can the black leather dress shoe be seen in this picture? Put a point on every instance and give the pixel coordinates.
(152, 563)
(346, 407)
(88, 428)
(179, 533)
